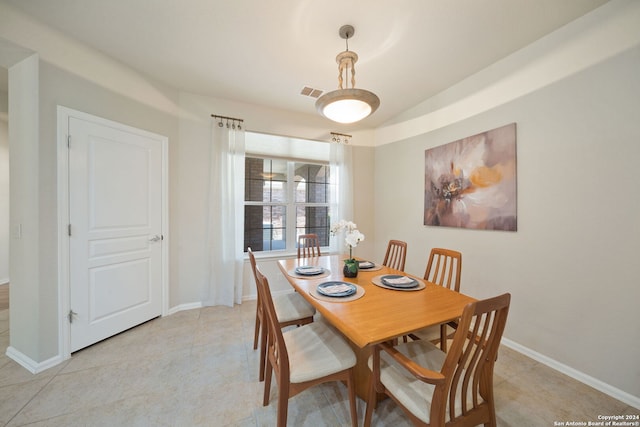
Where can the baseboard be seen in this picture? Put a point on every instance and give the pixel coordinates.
(608, 389)
(249, 297)
(30, 364)
(183, 307)
(190, 306)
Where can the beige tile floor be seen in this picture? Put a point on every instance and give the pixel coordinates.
(198, 368)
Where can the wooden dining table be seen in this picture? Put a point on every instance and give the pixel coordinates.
(379, 314)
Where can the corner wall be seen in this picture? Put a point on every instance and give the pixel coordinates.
(24, 209)
(59, 71)
(572, 265)
(4, 189)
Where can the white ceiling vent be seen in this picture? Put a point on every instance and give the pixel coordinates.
(309, 91)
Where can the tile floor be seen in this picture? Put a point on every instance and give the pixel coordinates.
(198, 368)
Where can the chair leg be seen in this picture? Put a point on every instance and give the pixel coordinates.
(283, 405)
(491, 402)
(263, 353)
(256, 331)
(267, 383)
(371, 402)
(443, 337)
(351, 388)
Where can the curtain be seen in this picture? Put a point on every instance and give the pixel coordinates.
(226, 214)
(342, 194)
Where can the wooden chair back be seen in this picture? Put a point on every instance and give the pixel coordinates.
(276, 350)
(470, 362)
(290, 309)
(260, 320)
(336, 366)
(444, 268)
(252, 261)
(463, 388)
(396, 254)
(308, 245)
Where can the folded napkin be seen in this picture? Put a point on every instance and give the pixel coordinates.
(366, 264)
(336, 289)
(404, 280)
(309, 269)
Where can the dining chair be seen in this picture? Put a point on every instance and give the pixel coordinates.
(291, 309)
(396, 254)
(308, 245)
(303, 357)
(433, 387)
(444, 268)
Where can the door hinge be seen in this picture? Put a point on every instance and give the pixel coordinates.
(68, 141)
(69, 230)
(70, 315)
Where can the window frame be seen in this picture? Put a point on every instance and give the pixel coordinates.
(291, 204)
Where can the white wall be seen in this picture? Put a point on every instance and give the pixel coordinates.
(572, 266)
(24, 309)
(59, 71)
(4, 189)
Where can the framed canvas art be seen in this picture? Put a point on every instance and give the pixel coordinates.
(471, 183)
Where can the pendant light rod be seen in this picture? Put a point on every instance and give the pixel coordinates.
(347, 105)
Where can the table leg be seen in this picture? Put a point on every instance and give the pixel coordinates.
(362, 372)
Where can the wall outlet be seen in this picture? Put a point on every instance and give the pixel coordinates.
(16, 232)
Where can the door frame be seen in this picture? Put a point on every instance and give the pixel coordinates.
(64, 258)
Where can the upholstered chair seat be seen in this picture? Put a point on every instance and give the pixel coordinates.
(292, 307)
(315, 351)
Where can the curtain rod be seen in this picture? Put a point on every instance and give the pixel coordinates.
(227, 118)
(341, 134)
(340, 137)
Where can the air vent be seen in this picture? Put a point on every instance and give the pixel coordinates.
(309, 91)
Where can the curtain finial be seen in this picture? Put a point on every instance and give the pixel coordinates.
(340, 137)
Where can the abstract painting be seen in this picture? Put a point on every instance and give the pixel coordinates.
(471, 183)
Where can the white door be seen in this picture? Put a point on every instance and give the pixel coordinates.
(116, 242)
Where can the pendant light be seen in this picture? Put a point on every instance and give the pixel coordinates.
(347, 105)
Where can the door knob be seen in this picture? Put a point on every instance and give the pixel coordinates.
(155, 238)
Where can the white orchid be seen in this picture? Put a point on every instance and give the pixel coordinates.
(343, 225)
(352, 236)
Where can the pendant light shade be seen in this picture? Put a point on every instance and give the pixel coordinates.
(347, 105)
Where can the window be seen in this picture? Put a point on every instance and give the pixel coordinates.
(284, 199)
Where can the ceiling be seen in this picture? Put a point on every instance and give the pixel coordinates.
(265, 52)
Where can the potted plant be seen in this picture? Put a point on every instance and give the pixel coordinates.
(352, 238)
